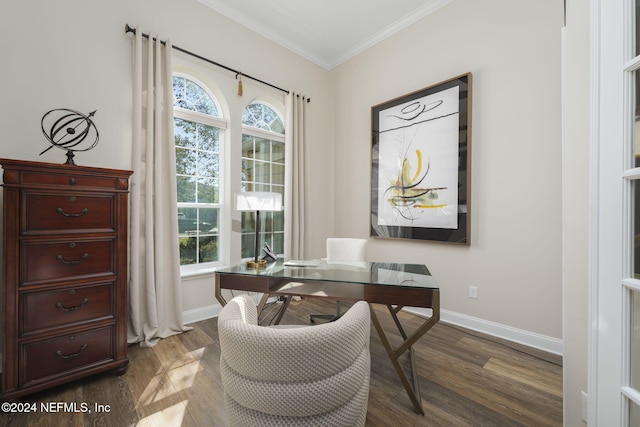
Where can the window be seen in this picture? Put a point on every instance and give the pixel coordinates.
(262, 170)
(198, 128)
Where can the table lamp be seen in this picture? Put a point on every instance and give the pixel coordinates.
(258, 201)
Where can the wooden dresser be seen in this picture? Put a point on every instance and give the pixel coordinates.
(64, 274)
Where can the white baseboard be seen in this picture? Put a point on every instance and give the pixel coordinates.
(520, 336)
(202, 313)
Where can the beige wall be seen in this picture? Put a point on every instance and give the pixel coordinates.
(576, 207)
(513, 50)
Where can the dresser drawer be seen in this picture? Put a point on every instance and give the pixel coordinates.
(64, 355)
(62, 213)
(46, 310)
(46, 260)
(91, 178)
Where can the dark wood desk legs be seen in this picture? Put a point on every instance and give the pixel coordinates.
(413, 390)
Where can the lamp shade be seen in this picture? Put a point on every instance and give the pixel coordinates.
(258, 201)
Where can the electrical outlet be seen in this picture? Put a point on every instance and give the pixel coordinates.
(473, 292)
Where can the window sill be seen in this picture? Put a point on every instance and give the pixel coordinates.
(195, 273)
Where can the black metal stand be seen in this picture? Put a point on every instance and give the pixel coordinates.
(257, 263)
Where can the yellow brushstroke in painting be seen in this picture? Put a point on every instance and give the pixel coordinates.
(406, 168)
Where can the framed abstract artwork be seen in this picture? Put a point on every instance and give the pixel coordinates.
(421, 164)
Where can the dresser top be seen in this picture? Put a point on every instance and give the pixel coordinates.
(11, 164)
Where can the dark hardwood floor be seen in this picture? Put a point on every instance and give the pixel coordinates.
(467, 379)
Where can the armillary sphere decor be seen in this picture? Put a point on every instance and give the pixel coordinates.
(68, 129)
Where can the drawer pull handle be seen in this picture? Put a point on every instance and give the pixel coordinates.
(72, 355)
(64, 261)
(72, 215)
(61, 306)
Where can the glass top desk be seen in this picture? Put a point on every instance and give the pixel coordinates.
(391, 284)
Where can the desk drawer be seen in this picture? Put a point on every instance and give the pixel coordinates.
(46, 310)
(57, 213)
(64, 355)
(45, 260)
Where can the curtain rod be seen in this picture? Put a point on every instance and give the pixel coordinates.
(128, 29)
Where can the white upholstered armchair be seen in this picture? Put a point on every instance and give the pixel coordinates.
(346, 251)
(303, 376)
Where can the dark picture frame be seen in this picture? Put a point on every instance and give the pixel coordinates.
(421, 164)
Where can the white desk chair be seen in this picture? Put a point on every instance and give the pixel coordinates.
(304, 376)
(347, 251)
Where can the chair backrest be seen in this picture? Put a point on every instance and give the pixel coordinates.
(342, 250)
(311, 375)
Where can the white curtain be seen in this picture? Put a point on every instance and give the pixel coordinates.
(155, 302)
(295, 176)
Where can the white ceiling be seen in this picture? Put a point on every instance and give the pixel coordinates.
(326, 32)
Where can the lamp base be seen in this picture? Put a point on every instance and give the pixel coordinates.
(257, 265)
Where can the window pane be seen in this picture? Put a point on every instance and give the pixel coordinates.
(208, 190)
(277, 126)
(277, 150)
(185, 161)
(277, 174)
(634, 381)
(634, 414)
(198, 228)
(278, 221)
(191, 96)
(207, 164)
(262, 172)
(178, 88)
(208, 249)
(263, 149)
(247, 244)
(247, 170)
(193, 92)
(248, 222)
(205, 105)
(260, 116)
(187, 220)
(247, 146)
(208, 138)
(635, 188)
(207, 220)
(636, 122)
(188, 250)
(184, 132)
(186, 189)
(278, 243)
(267, 222)
(199, 99)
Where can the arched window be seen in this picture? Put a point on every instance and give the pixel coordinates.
(198, 128)
(262, 170)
